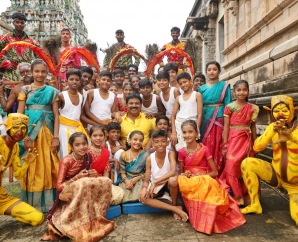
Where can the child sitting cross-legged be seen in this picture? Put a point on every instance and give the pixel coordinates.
(115, 146)
(161, 167)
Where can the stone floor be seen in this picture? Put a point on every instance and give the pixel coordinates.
(275, 224)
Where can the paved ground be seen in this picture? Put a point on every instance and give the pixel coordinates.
(275, 224)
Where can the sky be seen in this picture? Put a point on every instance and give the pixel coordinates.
(143, 22)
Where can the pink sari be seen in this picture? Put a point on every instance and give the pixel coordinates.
(239, 146)
(209, 206)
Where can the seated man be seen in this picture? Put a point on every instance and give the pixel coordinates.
(161, 167)
(283, 134)
(16, 129)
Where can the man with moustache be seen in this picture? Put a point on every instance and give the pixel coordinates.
(124, 61)
(135, 120)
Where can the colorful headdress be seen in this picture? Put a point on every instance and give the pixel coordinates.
(283, 99)
(16, 119)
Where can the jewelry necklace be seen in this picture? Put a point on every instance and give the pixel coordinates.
(166, 91)
(190, 153)
(133, 158)
(96, 150)
(34, 86)
(73, 95)
(103, 93)
(111, 145)
(75, 158)
(147, 100)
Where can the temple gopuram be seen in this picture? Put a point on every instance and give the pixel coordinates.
(47, 17)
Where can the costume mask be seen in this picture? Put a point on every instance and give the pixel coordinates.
(17, 122)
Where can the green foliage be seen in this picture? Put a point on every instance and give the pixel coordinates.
(150, 51)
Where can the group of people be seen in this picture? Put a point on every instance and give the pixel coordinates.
(108, 140)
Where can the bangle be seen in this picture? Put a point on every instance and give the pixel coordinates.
(55, 137)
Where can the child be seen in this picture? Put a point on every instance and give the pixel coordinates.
(135, 80)
(40, 103)
(238, 136)
(114, 88)
(119, 79)
(115, 146)
(132, 166)
(101, 104)
(70, 109)
(93, 83)
(87, 74)
(188, 106)
(209, 206)
(198, 80)
(168, 94)
(172, 69)
(127, 89)
(161, 166)
(162, 122)
(151, 104)
(216, 95)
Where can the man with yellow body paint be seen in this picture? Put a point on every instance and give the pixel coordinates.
(16, 129)
(283, 171)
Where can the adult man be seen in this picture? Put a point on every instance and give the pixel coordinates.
(132, 70)
(175, 43)
(65, 39)
(124, 61)
(16, 128)
(282, 171)
(14, 56)
(135, 120)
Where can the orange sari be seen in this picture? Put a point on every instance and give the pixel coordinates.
(209, 206)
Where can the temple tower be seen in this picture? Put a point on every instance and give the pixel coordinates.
(46, 18)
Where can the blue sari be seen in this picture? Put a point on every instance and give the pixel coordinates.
(39, 183)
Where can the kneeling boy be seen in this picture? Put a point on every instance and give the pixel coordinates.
(161, 166)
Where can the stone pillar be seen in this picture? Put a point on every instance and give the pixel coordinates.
(226, 27)
(247, 7)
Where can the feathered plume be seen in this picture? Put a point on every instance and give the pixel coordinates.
(150, 51)
(91, 46)
(192, 49)
(51, 46)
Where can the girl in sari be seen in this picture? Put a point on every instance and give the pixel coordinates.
(82, 198)
(127, 90)
(216, 95)
(238, 136)
(132, 167)
(101, 159)
(209, 206)
(41, 103)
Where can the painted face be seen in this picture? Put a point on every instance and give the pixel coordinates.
(97, 138)
(85, 79)
(163, 83)
(136, 141)
(162, 124)
(105, 82)
(127, 91)
(39, 73)
(114, 89)
(212, 72)
(189, 133)
(175, 35)
(146, 91)
(241, 92)
(173, 75)
(160, 143)
(18, 132)
(135, 82)
(74, 82)
(185, 84)
(79, 146)
(134, 106)
(65, 35)
(281, 111)
(114, 134)
(119, 79)
(19, 24)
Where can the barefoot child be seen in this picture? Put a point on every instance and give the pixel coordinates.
(238, 136)
(115, 146)
(161, 166)
(132, 166)
(70, 109)
(209, 206)
(168, 94)
(188, 106)
(101, 104)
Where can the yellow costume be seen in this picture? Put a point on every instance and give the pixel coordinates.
(283, 172)
(9, 157)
